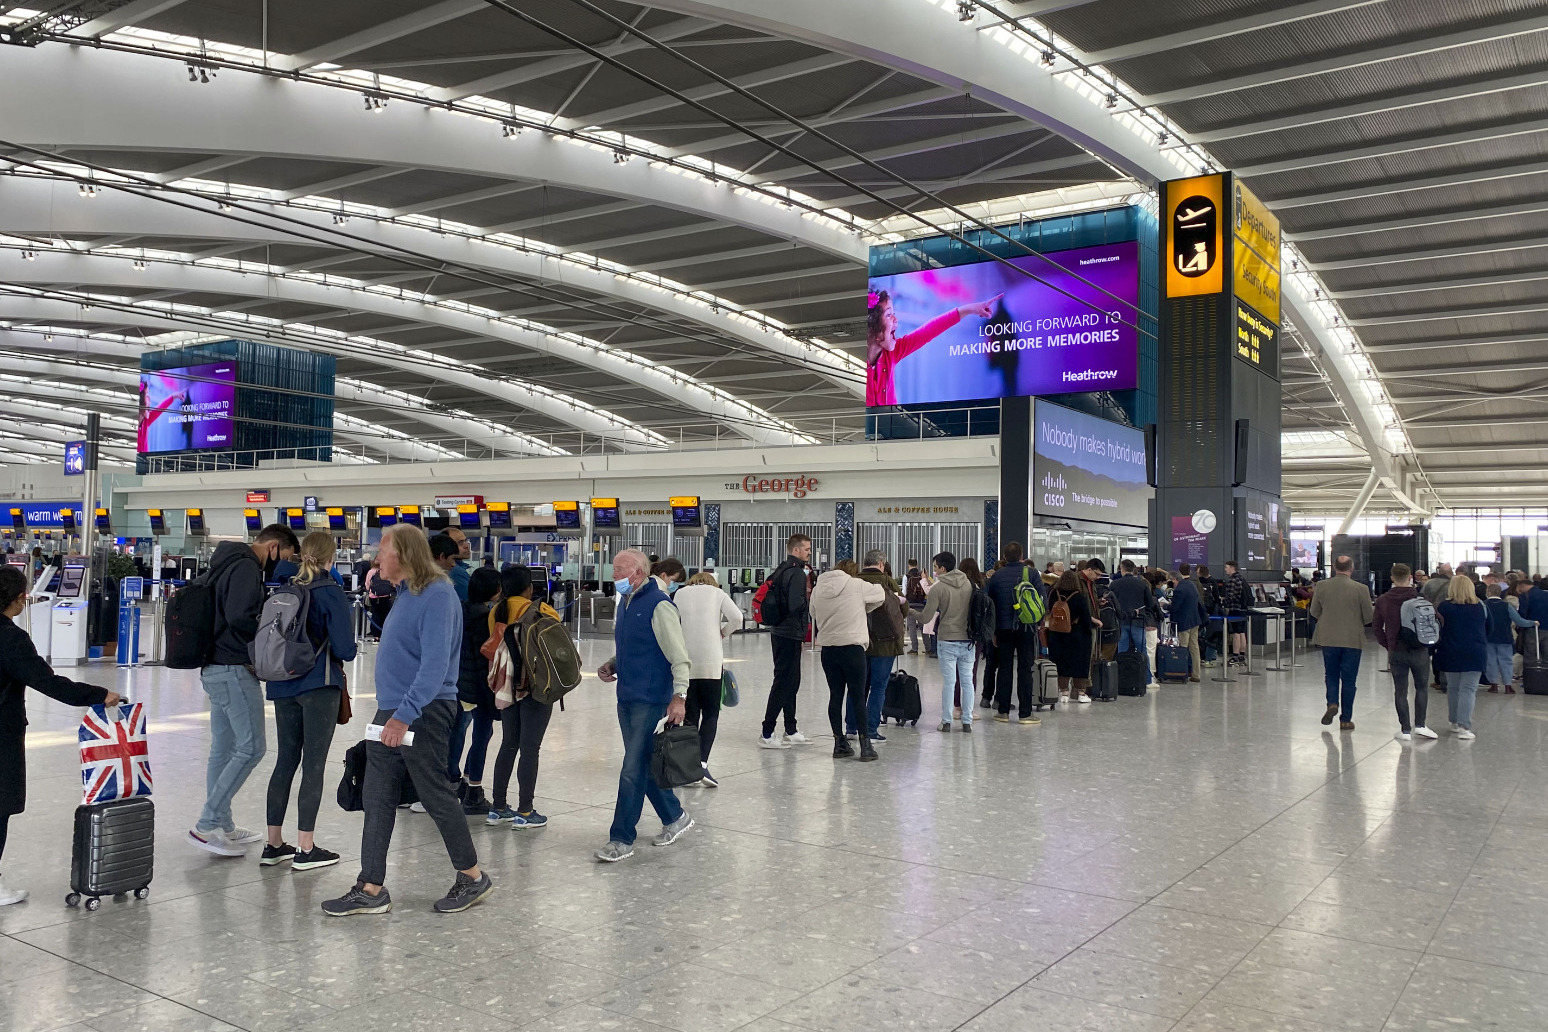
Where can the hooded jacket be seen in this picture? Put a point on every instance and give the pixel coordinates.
(952, 600)
(237, 577)
(839, 603)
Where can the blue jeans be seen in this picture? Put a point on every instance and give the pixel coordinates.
(637, 721)
(1461, 693)
(880, 669)
(1131, 638)
(483, 730)
(1341, 665)
(236, 739)
(1500, 663)
(956, 658)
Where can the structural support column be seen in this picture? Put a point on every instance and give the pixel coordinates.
(1015, 522)
(1361, 500)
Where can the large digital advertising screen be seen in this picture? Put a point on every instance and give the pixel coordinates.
(1087, 468)
(187, 409)
(988, 331)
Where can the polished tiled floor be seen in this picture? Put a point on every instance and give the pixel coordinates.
(1207, 859)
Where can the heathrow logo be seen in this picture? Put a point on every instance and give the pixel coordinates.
(1194, 232)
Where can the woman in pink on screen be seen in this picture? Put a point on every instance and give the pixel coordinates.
(885, 349)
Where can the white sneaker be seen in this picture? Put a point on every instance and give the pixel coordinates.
(798, 739)
(9, 895)
(773, 742)
(215, 841)
(1403, 736)
(1084, 698)
(1424, 732)
(1464, 735)
(244, 837)
(417, 807)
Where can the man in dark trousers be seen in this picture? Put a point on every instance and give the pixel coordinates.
(790, 588)
(1188, 616)
(1013, 637)
(1133, 599)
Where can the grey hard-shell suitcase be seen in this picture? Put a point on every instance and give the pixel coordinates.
(114, 850)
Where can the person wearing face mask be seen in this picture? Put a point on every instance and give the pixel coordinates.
(669, 574)
(237, 574)
(652, 668)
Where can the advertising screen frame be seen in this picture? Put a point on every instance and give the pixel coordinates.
(1052, 477)
(216, 378)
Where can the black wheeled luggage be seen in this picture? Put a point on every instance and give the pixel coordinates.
(1132, 673)
(114, 850)
(902, 703)
(1534, 676)
(1104, 680)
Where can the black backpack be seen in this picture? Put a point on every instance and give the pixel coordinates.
(981, 618)
(190, 624)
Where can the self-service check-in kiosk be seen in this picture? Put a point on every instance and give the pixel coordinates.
(67, 642)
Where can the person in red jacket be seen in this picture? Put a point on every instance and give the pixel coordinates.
(885, 349)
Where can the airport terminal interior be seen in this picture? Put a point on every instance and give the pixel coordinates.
(1090, 454)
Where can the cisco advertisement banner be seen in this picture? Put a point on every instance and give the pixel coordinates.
(187, 409)
(1087, 468)
(987, 331)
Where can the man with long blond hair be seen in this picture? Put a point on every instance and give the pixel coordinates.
(416, 692)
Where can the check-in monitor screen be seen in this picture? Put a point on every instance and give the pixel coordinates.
(71, 584)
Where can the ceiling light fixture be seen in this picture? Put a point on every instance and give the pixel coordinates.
(340, 219)
(1112, 101)
(86, 189)
(29, 256)
(139, 264)
(509, 131)
(965, 11)
(375, 102)
(620, 157)
(1048, 59)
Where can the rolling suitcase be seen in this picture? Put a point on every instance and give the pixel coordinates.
(902, 702)
(1047, 675)
(1104, 680)
(1534, 676)
(114, 850)
(1173, 664)
(1132, 673)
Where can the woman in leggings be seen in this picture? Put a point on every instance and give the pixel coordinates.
(524, 722)
(306, 709)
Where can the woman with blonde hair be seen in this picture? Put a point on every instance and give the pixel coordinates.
(416, 693)
(709, 616)
(1462, 651)
(306, 708)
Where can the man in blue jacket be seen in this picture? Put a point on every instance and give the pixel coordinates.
(1133, 599)
(651, 666)
(1188, 616)
(1012, 638)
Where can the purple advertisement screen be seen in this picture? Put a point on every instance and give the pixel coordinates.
(988, 331)
(187, 409)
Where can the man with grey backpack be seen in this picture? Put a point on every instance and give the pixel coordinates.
(1406, 626)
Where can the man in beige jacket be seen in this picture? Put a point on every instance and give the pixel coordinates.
(1342, 607)
(952, 601)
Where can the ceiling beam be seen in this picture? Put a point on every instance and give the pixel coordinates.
(123, 17)
(1442, 282)
(1389, 148)
(1398, 102)
(1222, 29)
(379, 33)
(1479, 311)
(1417, 47)
(531, 71)
(1443, 218)
(1036, 8)
(555, 218)
(199, 169)
(323, 186)
(466, 197)
(1529, 337)
(1431, 254)
(1387, 187)
(857, 112)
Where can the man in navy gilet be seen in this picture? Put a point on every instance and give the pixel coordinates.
(650, 664)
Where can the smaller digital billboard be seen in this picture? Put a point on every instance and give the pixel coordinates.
(104, 520)
(1262, 532)
(295, 519)
(411, 515)
(567, 516)
(187, 409)
(253, 519)
(336, 520)
(384, 516)
(158, 521)
(469, 517)
(1304, 553)
(1088, 468)
(499, 515)
(195, 521)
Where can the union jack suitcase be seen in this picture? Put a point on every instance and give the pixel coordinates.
(114, 841)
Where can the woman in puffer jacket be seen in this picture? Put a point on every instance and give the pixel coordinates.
(839, 604)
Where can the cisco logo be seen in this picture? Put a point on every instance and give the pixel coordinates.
(1053, 487)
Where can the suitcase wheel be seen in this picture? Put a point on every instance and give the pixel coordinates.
(143, 892)
(73, 899)
(94, 904)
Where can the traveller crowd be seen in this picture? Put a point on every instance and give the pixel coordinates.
(448, 671)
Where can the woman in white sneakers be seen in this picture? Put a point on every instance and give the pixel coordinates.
(709, 617)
